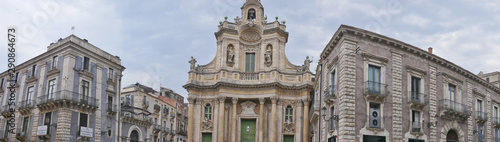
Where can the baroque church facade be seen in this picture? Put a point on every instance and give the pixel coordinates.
(250, 91)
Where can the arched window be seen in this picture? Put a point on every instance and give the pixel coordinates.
(289, 113)
(208, 112)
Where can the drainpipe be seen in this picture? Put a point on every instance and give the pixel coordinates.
(320, 91)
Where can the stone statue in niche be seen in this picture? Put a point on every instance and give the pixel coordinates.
(251, 14)
(192, 62)
(268, 56)
(237, 20)
(230, 56)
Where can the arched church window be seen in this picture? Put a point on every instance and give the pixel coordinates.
(289, 113)
(251, 14)
(208, 112)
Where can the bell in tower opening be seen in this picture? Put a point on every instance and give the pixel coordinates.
(251, 14)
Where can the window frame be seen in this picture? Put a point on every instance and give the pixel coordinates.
(110, 73)
(54, 61)
(29, 94)
(51, 88)
(86, 63)
(289, 113)
(250, 62)
(208, 107)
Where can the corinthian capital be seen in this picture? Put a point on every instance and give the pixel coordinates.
(274, 99)
(191, 100)
(262, 100)
(235, 100)
(306, 101)
(222, 99)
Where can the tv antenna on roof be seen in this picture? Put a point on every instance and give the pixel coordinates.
(72, 29)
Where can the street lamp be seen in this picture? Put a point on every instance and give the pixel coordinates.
(436, 117)
(323, 113)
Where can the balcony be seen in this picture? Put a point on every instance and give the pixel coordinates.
(157, 129)
(481, 117)
(417, 101)
(21, 136)
(249, 76)
(416, 128)
(166, 131)
(139, 119)
(26, 106)
(496, 122)
(145, 104)
(157, 108)
(6, 111)
(314, 111)
(376, 91)
(330, 94)
(67, 98)
(165, 112)
(111, 110)
(453, 110)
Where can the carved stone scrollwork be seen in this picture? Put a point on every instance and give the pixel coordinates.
(274, 99)
(289, 127)
(222, 99)
(306, 101)
(207, 125)
(235, 100)
(248, 108)
(191, 100)
(237, 20)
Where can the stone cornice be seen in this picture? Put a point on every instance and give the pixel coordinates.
(278, 31)
(225, 30)
(345, 30)
(266, 85)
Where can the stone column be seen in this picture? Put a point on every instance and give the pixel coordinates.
(261, 119)
(233, 127)
(272, 138)
(220, 130)
(190, 118)
(306, 120)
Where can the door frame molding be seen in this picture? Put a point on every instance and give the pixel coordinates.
(238, 129)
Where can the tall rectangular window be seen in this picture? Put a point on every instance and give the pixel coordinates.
(85, 91)
(479, 109)
(47, 121)
(110, 103)
(480, 133)
(127, 99)
(110, 74)
(83, 120)
(29, 95)
(26, 120)
(451, 89)
(332, 122)
(374, 79)
(415, 88)
(33, 70)
(495, 112)
(250, 62)
(51, 89)
(333, 82)
(86, 62)
(54, 62)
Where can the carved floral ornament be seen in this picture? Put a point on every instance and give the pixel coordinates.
(250, 35)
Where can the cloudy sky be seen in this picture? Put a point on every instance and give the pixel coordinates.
(156, 38)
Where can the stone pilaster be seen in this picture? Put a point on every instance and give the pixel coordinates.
(272, 138)
(298, 126)
(471, 119)
(397, 97)
(63, 125)
(197, 118)
(261, 119)
(306, 120)
(35, 127)
(220, 130)
(487, 124)
(233, 124)
(347, 92)
(190, 121)
(432, 101)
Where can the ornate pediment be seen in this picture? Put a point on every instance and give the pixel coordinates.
(248, 108)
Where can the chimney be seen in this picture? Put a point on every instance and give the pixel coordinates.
(429, 50)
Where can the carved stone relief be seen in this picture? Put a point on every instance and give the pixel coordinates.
(250, 35)
(248, 108)
(230, 56)
(268, 55)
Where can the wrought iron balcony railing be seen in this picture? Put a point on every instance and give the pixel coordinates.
(418, 98)
(330, 92)
(376, 88)
(416, 127)
(496, 122)
(68, 96)
(27, 104)
(157, 108)
(454, 109)
(111, 109)
(145, 104)
(139, 117)
(481, 116)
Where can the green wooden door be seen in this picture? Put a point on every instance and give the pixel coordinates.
(248, 130)
(206, 137)
(288, 138)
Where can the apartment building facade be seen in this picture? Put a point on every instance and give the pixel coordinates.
(61, 95)
(148, 116)
(373, 88)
